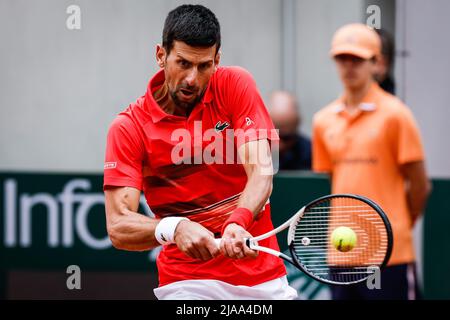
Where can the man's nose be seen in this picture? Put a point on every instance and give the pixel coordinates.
(192, 77)
(348, 63)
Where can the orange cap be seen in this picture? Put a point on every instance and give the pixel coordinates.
(356, 39)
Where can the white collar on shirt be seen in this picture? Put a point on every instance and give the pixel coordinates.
(363, 106)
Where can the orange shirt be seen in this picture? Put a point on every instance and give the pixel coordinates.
(364, 152)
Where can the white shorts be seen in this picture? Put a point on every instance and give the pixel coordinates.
(277, 289)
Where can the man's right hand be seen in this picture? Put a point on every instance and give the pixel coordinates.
(195, 240)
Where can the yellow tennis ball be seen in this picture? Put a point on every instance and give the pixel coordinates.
(343, 239)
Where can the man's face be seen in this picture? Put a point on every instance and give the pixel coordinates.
(354, 72)
(287, 127)
(187, 71)
(285, 117)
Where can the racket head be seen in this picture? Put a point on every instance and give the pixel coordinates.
(311, 248)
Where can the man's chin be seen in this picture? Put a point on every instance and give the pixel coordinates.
(352, 85)
(190, 100)
(186, 103)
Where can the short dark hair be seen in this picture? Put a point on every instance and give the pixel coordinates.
(387, 46)
(194, 25)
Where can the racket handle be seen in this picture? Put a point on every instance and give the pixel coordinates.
(218, 241)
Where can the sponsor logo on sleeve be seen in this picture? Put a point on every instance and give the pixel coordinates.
(248, 121)
(110, 165)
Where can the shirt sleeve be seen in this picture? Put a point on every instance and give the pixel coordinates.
(124, 155)
(249, 116)
(408, 143)
(321, 158)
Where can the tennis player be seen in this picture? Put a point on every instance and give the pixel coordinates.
(156, 146)
(369, 142)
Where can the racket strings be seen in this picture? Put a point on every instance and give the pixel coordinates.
(316, 253)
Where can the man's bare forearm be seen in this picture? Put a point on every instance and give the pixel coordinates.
(418, 187)
(417, 196)
(128, 229)
(256, 193)
(133, 232)
(257, 162)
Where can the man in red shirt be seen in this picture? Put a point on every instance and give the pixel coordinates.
(197, 145)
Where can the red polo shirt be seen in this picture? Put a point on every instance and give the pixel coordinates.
(189, 167)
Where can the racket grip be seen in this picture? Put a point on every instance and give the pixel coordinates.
(247, 242)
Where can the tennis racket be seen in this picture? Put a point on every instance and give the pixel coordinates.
(310, 239)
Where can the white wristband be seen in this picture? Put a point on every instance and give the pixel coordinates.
(165, 230)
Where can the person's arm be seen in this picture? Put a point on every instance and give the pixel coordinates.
(410, 157)
(418, 187)
(129, 230)
(257, 162)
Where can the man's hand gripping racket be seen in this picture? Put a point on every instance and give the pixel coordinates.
(338, 239)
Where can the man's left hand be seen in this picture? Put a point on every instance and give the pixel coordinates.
(233, 243)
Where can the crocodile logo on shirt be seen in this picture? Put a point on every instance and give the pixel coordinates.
(221, 126)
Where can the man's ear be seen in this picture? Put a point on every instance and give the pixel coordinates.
(160, 55)
(217, 60)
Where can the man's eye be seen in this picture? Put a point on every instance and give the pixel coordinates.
(184, 63)
(204, 66)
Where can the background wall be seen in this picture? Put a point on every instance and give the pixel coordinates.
(423, 70)
(61, 88)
